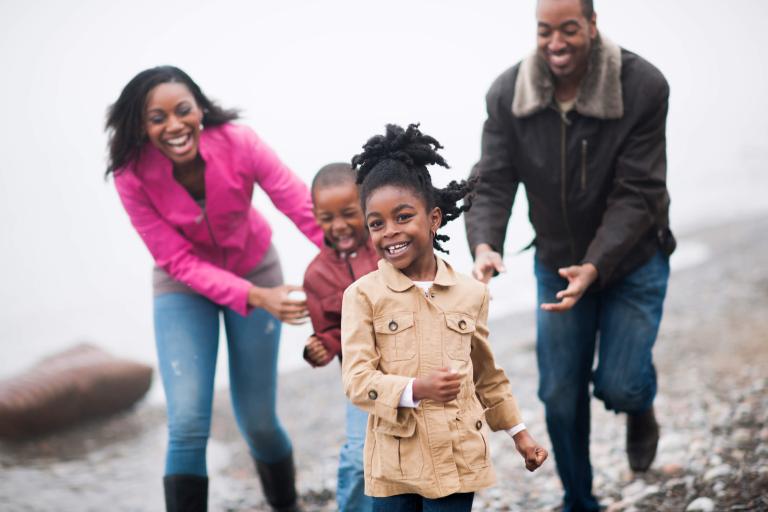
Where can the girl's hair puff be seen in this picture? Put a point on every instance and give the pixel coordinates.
(400, 158)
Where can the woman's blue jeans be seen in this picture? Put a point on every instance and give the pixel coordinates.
(620, 322)
(187, 336)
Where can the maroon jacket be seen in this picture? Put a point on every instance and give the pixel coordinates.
(325, 280)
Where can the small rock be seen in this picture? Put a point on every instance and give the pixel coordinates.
(763, 434)
(618, 506)
(702, 504)
(672, 469)
(717, 472)
(719, 487)
(742, 437)
(674, 482)
(633, 491)
(743, 412)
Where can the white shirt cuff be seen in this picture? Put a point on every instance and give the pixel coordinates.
(516, 429)
(406, 399)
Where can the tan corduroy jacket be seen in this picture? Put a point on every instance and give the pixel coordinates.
(391, 332)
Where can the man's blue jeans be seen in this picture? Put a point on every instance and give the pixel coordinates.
(187, 336)
(459, 502)
(621, 322)
(350, 495)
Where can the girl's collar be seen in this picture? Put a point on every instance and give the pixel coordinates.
(399, 282)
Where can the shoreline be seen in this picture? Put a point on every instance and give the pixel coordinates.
(711, 356)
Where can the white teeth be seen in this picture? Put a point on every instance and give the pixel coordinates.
(397, 248)
(178, 141)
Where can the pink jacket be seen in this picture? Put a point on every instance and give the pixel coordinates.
(210, 248)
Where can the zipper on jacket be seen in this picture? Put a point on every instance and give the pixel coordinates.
(563, 189)
(583, 164)
(213, 238)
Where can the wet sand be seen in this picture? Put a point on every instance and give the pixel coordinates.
(712, 360)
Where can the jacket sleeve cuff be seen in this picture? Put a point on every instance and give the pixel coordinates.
(504, 415)
(241, 298)
(385, 393)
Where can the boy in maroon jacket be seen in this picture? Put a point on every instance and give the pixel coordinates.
(347, 256)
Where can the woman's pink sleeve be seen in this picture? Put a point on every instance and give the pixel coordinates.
(173, 253)
(287, 192)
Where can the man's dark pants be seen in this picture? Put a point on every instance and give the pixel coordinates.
(621, 322)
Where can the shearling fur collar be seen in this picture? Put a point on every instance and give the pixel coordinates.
(600, 92)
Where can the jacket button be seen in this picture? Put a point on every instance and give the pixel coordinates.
(373, 395)
(392, 325)
(479, 425)
(462, 324)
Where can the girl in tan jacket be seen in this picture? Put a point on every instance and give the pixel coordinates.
(415, 350)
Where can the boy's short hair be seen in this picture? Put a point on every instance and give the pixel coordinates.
(333, 174)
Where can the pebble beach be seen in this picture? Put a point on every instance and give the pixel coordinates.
(712, 362)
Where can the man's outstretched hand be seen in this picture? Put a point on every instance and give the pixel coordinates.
(487, 261)
(580, 277)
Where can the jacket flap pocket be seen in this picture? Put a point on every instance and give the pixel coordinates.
(460, 322)
(403, 429)
(393, 323)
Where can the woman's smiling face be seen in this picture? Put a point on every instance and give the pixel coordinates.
(401, 230)
(172, 121)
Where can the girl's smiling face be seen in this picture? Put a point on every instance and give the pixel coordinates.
(172, 120)
(401, 230)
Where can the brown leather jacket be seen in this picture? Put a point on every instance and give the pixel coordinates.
(391, 332)
(595, 177)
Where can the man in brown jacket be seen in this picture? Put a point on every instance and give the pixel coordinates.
(581, 124)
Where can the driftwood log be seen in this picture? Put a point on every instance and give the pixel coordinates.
(67, 388)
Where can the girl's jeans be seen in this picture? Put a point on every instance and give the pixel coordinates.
(620, 322)
(459, 502)
(187, 335)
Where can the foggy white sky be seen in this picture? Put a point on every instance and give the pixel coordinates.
(314, 79)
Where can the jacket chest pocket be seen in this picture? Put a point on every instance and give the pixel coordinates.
(457, 337)
(395, 336)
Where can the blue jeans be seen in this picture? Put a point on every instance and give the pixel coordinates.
(622, 322)
(187, 336)
(350, 496)
(459, 502)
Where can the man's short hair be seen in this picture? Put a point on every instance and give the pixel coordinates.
(587, 8)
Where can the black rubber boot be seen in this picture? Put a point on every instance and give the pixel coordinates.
(642, 440)
(186, 493)
(278, 480)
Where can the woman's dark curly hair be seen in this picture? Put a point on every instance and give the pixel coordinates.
(400, 158)
(125, 117)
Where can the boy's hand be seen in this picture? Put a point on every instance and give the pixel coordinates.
(442, 385)
(316, 352)
(533, 454)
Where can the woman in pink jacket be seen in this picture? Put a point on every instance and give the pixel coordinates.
(185, 175)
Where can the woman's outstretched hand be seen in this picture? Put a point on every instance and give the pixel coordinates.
(533, 454)
(277, 302)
